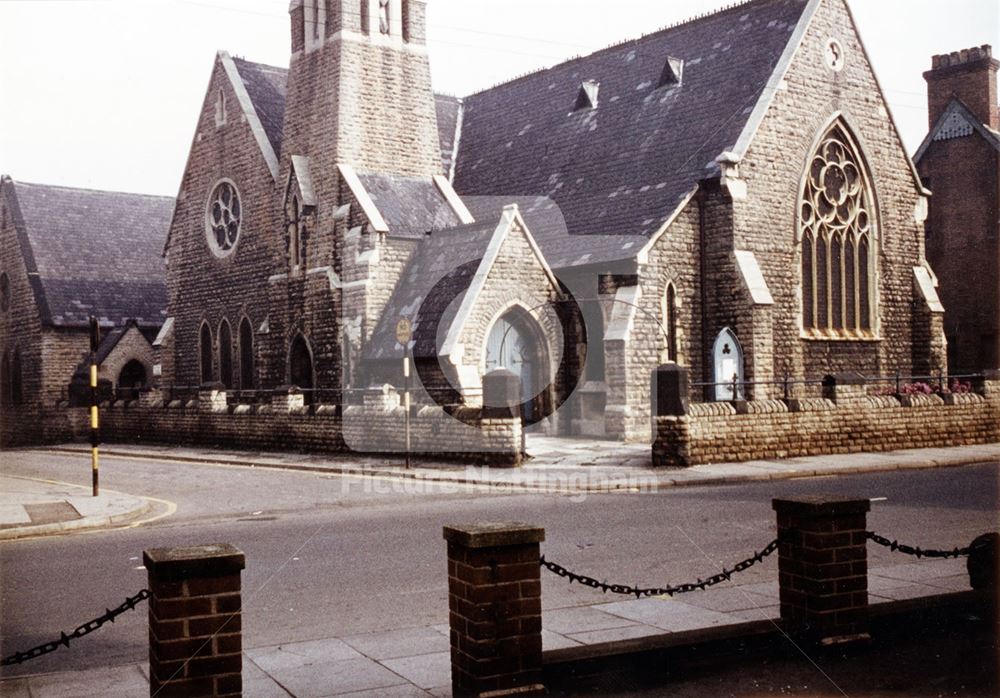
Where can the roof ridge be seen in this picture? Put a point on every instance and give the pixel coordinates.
(89, 190)
(259, 65)
(579, 57)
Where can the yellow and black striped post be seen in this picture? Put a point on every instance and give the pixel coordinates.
(95, 422)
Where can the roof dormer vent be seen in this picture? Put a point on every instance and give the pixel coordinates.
(673, 72)
(586, 98)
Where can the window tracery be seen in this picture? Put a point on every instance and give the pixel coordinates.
(223, 218)
(837, 229)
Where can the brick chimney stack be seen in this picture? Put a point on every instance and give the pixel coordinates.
(971, 76)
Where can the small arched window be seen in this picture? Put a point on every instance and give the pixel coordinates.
(836, 228)
(206, 353)
(246, 356)
(300, 366)
(5, 380)
(225, 354)
(296, 235)
(670, 322)
(16, 380)
(4, 292)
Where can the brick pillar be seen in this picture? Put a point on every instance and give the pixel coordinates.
(823, 567)
(195, 621)
(495, 602)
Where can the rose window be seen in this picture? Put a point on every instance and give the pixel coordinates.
(223, 218)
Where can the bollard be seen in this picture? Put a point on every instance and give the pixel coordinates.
(195, 621)
(495, 603)
(823, 568)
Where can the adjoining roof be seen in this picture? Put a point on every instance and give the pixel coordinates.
(624, 167)
(955, 115)
(449, 118)
(431, 289)
(410, 206)
(267, 87)
(94, 253)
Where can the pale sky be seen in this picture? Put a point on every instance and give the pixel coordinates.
(105, 93)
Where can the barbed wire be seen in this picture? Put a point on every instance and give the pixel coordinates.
(898, 547)
(109, 615)
(639, 592)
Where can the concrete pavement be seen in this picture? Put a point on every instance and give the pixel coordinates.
(416, 661)
(30, 507)
(572, 465)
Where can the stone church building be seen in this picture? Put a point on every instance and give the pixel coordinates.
(66, 255)
(730, 193)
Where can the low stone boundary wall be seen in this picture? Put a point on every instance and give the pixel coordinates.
(847, 421)
(476, 434)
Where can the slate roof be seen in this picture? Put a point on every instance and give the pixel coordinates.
(449, 114)
(410, 206)
(267, 87)
(431, 289)
(624, 167)
(93, 253)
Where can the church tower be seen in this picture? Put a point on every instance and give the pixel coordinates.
(359, 88)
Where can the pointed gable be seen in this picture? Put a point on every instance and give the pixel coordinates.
(627, 167)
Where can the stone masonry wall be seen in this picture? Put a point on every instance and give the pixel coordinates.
(714, 432)
(201, 286)
(774, 167)
(375, 427)
(20, 323)
(673, 259)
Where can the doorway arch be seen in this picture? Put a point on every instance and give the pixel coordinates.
(131, 379)
(516, 343)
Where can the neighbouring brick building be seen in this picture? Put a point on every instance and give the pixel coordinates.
(65, 255)
(960, 162)
(730, 193)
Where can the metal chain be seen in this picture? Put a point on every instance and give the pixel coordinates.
(896, 546)
(639, 592)
(85, 629)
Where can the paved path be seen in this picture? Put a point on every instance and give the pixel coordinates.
(31, 507)
(415, 661)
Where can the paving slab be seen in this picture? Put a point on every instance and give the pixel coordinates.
(629, 632)
(425, 671)
(666, 614)
(323, 679)
(111, 681)
(299, 654)
(567, 621)
(409, 642)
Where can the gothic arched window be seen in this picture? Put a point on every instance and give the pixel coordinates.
(225, 354)
(296, 238)
(670, 322)
(5, 380)
(246, 356)
(16, 380)
(837, 231)
(206, 353)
